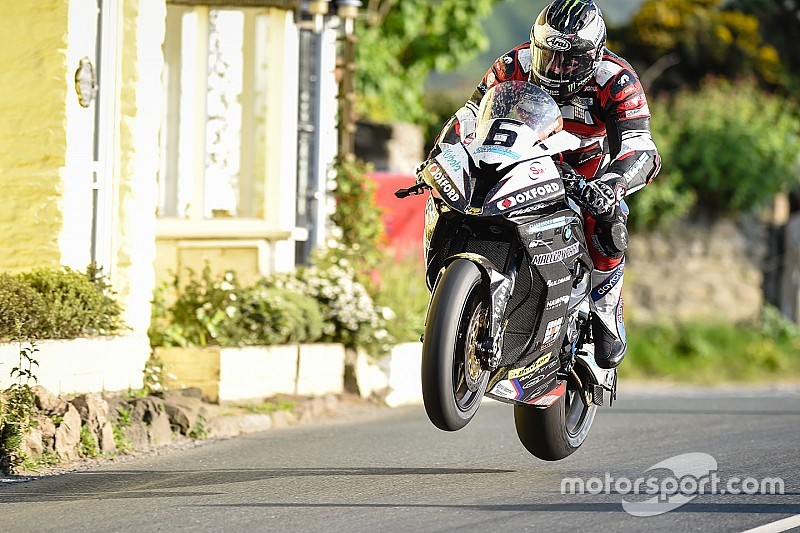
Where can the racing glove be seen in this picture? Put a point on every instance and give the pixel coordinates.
(601, 197)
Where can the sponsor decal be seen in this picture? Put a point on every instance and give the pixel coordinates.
(557, 222)
(505, 389)
(567, 235)
(522, 372)
(634, 103)
(473, 211)
(529, 195)
(508, 60)
(609, 283)
(624, 79)
(539, 390)
(637, 167)
(642, 112)
(537, 169)
(546, 372)
(502, 299)
(552, 397)
(451, 158)
(552, 304)
(554, 282)
(556, 256)
(558, 43)
(445, 186)
(490, 79)
(540, 242)
(552, 330)
(498, 150)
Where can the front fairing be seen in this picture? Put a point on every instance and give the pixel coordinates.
(507, 168)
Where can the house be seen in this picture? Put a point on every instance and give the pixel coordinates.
(151, 136)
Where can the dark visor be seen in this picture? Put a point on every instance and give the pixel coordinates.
(560, 66)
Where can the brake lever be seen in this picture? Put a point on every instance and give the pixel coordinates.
(414, 190)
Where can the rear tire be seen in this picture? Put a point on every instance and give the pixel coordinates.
(452, 382)
(556, 432)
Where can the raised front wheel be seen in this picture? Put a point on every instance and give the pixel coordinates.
(453, 381)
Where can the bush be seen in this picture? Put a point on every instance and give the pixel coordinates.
(733, 145)
(61, 303)
(352, 318)
(208, 310)
(402, 288)
(710, 353)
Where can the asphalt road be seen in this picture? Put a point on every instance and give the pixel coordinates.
(393, 471)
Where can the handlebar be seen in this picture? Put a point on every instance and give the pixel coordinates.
(414, 190)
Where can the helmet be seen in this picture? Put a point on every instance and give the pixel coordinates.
(567, 42)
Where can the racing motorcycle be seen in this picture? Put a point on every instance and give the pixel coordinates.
(509, 270)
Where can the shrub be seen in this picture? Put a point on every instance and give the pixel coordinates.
(60, 303)
(209, 310)
(22, 309)
(733, 145)
(352, 317)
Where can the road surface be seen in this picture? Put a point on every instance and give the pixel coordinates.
(393, 471)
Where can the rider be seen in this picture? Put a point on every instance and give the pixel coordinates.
(603, 103)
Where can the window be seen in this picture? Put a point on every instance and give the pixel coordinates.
(213, 137)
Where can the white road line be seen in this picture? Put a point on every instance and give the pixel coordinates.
(776, 527)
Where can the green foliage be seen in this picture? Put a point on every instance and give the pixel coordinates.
(209, 310)
(267, 407)
(124, 418)
(697, 38)
(401, 41)
(88, 446)
(36, 465)
(357, 219)
(732, 144)
(199, 429)
(61, 303)
(21, 307)
(712, 353)
(780, 26)
(402, 288)
(350, 314)
(16, 407)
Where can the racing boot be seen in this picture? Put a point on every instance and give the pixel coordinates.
(608, 328)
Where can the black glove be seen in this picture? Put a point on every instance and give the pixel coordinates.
(418, 173)
(601, 197)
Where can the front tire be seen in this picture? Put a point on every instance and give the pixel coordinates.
(556, 432)
(453, 382)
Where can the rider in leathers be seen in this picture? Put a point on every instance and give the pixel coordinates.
(602, 102)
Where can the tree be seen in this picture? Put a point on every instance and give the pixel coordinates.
(401, 41)
(696, 38)
(733, 146)
(780, 23)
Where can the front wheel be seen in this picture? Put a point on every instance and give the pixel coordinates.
(556, 432)
(453, 381)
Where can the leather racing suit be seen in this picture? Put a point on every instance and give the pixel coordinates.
(611, 117)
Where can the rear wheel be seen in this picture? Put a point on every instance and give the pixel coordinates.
(453, 381)
(556, 432)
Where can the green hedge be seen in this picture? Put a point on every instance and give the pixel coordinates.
(49, 303)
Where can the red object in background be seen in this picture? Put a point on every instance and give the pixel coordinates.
(403, 220)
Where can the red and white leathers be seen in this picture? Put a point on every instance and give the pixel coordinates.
(611, 117)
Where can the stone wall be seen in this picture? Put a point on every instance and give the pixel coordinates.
(696, 271)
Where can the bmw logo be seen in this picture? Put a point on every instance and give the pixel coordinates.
(567, 233)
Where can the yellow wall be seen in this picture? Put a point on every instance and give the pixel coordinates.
(32, 131)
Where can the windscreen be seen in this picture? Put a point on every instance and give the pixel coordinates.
(521, 101)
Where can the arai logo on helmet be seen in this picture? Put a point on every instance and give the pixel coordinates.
(558, 43)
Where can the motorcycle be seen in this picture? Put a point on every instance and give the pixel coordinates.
(508, 269)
